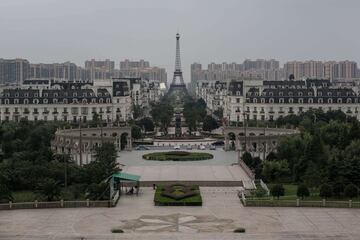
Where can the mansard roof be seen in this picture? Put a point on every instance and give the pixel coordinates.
(49, 96)
(235, 87)
(20, 93)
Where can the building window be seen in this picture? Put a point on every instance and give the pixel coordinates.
(301, 100)
(84, 101)
(320, 100)
(263, 100)
(45, 101)
(310, 100)
(55, 101)
(291, 100)
(84, 110)
(26, 101)
(254, 100)
(329, 100)
(271, 100)
(339, 100)
(281, 100)
(16, 101)
(348, 100)
(74, 100)
(74, 110)
(6, 101)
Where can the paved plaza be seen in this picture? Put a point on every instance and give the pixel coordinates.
(220, 214)
(134, 158)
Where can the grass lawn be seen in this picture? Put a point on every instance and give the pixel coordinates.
(291, 190)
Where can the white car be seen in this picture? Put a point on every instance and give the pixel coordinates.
(202, 147)
(176, 147)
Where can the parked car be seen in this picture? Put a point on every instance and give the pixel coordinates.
(212, 147)
(202, 147)
(218, 143)
(189, 147)
(176, 147)
(142, 147)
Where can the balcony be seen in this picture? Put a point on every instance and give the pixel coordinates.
(35, 112)
(65, 112)
(26, 112)
(55, 112)
(46, 112)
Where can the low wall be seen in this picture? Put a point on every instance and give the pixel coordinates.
(198, 183)
(299, 203)
(56, 204)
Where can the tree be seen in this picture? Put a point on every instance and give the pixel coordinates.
(219, 113)
(98, 191)
(104, 164)
(162, 114)
(277, 190)
(275, 170)
(50, 188)
(5, 193)
(147, 124)
(326, 191)
(210, 123)
(303, 191)
(312, 177)
(351, 191)
(136, 132)
(338, 189)
(137, 111)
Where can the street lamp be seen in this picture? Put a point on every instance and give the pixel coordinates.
(80, 141)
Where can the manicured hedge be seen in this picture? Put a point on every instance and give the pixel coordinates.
(167, 196)
(178, 156)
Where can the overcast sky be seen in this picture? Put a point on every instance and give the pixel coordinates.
(221, 30)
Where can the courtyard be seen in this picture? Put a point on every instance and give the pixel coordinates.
(220, 214)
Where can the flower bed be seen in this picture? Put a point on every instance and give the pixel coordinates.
(177, 195)
(177, 156)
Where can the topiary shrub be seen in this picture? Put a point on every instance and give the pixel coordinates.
(239, 230)
(277, 190)
(303, 191)
(338, 189)
(117, 230)
(326, 191)
(351, 191)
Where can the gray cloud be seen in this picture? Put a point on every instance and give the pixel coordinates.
(229, 30)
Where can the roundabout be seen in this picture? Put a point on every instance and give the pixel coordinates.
(177, 156)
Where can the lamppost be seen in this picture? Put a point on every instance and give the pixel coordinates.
(80, 141)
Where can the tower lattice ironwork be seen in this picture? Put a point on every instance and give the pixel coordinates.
(178, 73)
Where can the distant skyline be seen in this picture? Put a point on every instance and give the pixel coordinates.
(211, 31)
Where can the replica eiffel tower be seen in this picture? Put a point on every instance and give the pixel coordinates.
(178, 80)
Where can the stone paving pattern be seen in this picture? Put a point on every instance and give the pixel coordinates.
(219, 203)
